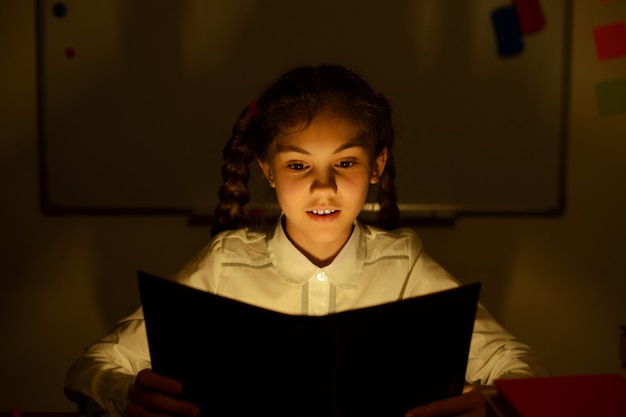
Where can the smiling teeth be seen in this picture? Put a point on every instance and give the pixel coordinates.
(323, 212)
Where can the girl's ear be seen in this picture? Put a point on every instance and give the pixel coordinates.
(378, 166)
(267, 171)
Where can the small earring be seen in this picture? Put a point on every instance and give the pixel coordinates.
(270, 181)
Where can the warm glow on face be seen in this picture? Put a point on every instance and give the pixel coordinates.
(322, 175)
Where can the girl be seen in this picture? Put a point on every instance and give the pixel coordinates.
(322, 137)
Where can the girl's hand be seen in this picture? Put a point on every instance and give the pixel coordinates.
(152, 395)
(469, 404)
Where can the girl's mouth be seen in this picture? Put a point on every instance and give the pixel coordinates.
(323, 212)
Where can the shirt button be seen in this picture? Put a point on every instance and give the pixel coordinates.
(321, 276)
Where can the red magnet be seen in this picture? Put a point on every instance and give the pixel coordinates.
(530, 15)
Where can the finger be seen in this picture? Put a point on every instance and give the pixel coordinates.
(471, 404)
(135, 410)
(151, 404)
(441, 408)
(151, 380)
(152, 395)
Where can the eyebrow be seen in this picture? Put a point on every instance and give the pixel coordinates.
(356, 143)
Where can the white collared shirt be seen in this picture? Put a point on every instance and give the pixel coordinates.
(373, 267)
(267, 270)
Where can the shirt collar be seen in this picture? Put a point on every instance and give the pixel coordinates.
(295, 268)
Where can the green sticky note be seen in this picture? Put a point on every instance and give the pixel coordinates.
(611, 96)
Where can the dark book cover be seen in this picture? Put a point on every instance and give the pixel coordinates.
(237, 359)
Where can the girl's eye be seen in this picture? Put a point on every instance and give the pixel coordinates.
(346, 164)
(296, 166)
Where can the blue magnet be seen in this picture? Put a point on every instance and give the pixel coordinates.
(508, 33)
(60, 10)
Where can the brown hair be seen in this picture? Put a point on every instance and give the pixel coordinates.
(300, 94)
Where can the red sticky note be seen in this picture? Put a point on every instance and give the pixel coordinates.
(610, 40)
(530, 15)
(572, 396)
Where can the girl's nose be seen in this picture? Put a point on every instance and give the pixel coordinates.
(324, 182)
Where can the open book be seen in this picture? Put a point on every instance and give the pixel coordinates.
(236, 359)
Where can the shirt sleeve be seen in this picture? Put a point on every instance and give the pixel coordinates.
(494, 352)
(107, 369)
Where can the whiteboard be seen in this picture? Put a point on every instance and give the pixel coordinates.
(137, 98)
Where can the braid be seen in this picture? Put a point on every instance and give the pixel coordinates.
(389, 214)
(234, 192)
(387, 196)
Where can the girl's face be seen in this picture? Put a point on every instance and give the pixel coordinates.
(322, 175)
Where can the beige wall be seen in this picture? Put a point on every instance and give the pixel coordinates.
(557, 283)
